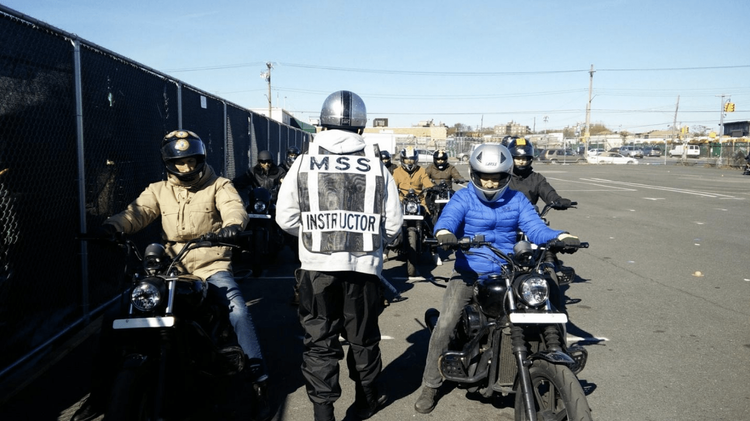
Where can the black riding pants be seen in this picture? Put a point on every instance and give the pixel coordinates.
(333, 304)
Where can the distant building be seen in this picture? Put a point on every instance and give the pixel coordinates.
(511, 129)
(737, 129)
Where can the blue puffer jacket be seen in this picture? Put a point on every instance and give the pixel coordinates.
(466, 215)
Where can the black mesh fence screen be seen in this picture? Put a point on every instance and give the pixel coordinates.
(126, 109)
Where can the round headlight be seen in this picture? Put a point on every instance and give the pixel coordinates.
(145, 296)
(412, 208)
(534, 291)
(259, 207)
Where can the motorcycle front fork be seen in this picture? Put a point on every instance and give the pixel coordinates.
(524, 378)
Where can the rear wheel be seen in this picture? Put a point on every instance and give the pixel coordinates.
(557, 394)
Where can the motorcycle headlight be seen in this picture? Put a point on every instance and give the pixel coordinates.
(533, 290)
(259, 207)
(412, 208)
(145, 296)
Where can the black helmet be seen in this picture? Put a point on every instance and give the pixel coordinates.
(344, 110)
(519, 147)
(440, 159)
(409, 153)
(265, 156)
(181, 144)
(292, 153)
(385, 156)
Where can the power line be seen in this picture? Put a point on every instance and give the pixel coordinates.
(463, 74)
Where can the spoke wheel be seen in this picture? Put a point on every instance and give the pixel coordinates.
(558, 395)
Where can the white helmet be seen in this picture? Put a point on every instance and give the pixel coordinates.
(344, 110)
(490, 159)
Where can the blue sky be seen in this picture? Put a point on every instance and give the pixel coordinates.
(471, 62)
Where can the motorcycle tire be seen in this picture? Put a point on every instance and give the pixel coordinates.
(412, 255)
(557, 394)
(130, 398)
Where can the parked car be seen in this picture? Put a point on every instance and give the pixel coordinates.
(595, 151)
(560, 156)
(632, 151)
(464, 156)
(652, 151)
(611, 158)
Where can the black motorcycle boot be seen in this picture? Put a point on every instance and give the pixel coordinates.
(256, 375)
(261, 404)
(427, 400)
(90, 409)
(323, 412)
(368, 401)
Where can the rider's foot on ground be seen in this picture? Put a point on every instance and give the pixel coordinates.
(427, 400)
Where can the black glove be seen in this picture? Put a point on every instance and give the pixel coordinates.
(572, 243)
(445, 237)
(105, 231)
(562, 203)
(459, 181)
(229, 232)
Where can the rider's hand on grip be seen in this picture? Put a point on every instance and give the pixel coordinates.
(571, 242)
(563, 204)
(105, 231)
(445, 237)
(229, 232)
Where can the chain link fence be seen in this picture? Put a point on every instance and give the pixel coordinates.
(80, 131)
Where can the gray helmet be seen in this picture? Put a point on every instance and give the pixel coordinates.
(344, 110)
(181, 144)
(490, 159)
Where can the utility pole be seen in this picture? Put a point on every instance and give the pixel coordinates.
(721, 118)
(267, 76)
(674, 123)
(587, 133)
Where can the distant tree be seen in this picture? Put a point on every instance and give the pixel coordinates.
(599, 129)
(700, 130)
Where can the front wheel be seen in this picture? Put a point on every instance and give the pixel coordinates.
(412, 255)
(557, 394)
(129, 400)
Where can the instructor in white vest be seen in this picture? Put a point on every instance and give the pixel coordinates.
(343, 204)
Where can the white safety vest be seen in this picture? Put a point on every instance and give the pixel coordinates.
(341, 202)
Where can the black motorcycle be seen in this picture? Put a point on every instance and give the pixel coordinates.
(263, 238)
(170, 339)
(511, 338)
(413, 232)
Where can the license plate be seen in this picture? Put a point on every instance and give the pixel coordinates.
(441, 200)
(258, 216)
(538, 318)
(413, 217)
(145, 322)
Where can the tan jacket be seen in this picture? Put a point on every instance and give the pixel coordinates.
(417, 180)
(187, 212)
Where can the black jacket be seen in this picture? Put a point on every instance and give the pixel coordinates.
(534, 186)
(255, 177)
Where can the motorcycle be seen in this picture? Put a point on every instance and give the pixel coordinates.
(169, 338)
(511, 338)
(263, 239)
(413, 231)
(440, 194)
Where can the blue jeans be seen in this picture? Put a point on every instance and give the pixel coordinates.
(457, 295)
(224, 290)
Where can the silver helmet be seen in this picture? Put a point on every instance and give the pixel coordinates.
(490, 159)
(344, 110)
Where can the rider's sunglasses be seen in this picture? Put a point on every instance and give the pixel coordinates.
(265, 161)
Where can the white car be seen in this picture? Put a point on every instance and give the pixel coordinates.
(610, 158)
(595, 151)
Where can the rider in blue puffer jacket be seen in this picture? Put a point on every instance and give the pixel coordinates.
(488, 207)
